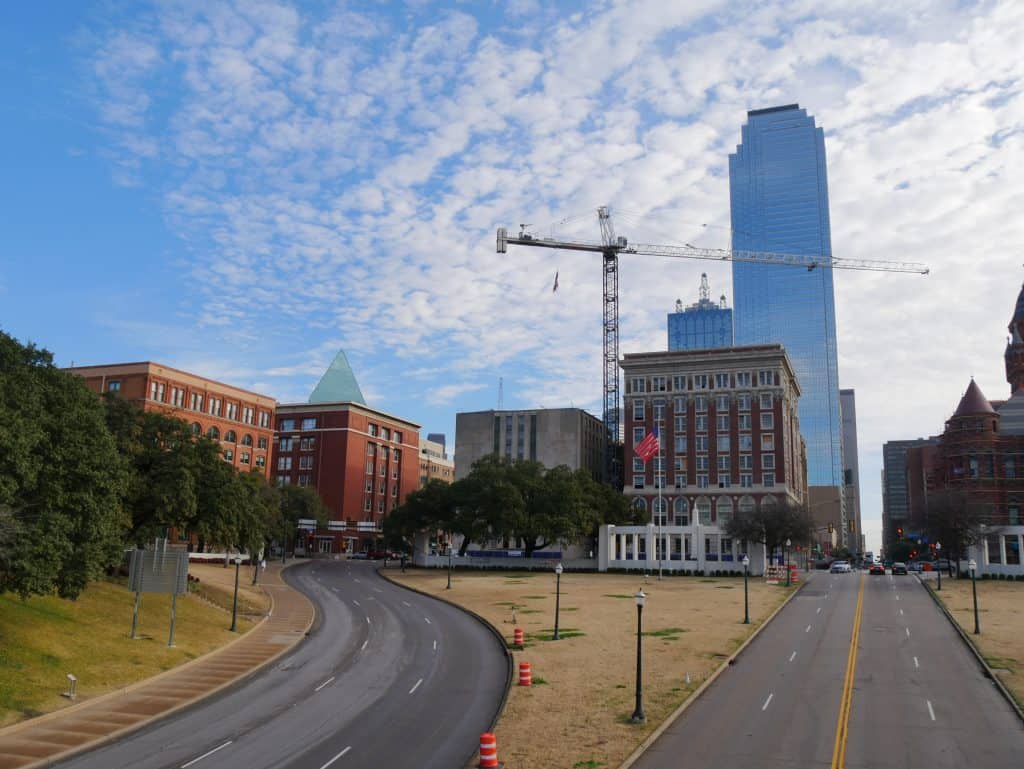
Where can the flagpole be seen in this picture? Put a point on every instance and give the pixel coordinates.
(661, 513)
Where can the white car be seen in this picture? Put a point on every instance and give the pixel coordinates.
(840, 567)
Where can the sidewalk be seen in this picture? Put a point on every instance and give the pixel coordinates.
(101, 719)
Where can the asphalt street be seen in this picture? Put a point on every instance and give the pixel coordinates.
(916, 697)
(387, 677)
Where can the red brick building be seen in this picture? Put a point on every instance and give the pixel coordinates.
(241, 420)
(363, 462)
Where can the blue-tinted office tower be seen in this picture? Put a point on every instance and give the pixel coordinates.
(778, 192)
(702, 325)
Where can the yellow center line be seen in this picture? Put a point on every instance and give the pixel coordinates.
(842, 725)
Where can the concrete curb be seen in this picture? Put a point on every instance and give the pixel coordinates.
(502, 642)
(986, 670)
(117, 734)
(671, 718)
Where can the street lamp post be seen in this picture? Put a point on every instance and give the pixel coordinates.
(746, 600)
(558, 595)
(449, 566)
(938, 553)
(234, 604)
(973, 566)
(785, 557)
(638, 716)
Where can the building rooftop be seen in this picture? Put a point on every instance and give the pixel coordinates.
(338, 384)
(973, 402)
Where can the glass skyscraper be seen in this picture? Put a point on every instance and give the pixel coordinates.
(778, 191)
(702, 325)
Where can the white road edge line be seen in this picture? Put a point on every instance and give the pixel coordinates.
(767, 701)
(818, 611)
(901, 612)
(416, 686)
(321, 686)
(792, 656)
(346, 750)
(435, 644)
(427, 619)
(367, 620)
(207, 753)
(916, 663)
(908, 632)
(407, 604)
(363, 647)
(931, 712)
(808, 630)
(355, 602)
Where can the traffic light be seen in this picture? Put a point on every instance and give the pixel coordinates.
(899, 531)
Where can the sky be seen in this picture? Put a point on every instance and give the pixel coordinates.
(240, 189)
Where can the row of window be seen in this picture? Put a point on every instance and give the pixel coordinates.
(701, 426)
(370, 467)
(285, 463)
(701, 508)
(373, 450)
(288, 444)
(720, 381)
(703, 480)
(303, 480)
(385, 433)
(244, 458)
(287, 425)
(700, 405)
(368, 505)
(382, 488)
(229, 437)
(208, 404)
(703, 462)
(723, 443)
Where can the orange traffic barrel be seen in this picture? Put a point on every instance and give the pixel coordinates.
(488, 751)
(517, 638)
(525, 676)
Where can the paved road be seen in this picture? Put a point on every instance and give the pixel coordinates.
(917, 699)
(387, 678)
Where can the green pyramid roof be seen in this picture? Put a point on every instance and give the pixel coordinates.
(338, 384)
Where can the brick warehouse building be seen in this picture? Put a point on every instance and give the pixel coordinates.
(730, 441)
(980, 455)
(362, 461)
(242, 421)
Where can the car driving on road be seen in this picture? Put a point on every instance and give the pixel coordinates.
(877, 568)
(840, 567)
(899, 568)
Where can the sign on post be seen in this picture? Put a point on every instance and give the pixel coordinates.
(163, 569)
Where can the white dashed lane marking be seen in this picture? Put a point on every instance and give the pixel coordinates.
(767, 701)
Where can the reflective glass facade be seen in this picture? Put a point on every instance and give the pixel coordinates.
(778, 192)
(700, 328)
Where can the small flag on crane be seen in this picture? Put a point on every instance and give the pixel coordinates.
(648, 447)
(555, 287)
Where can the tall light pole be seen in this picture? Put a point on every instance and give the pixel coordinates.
(647, 554)
(973, 566)
(938, 553)
(785, 557)
(659, 477)
(746, 600)
(449, 565)
(638, 716)
(558, 595)
(234, 604)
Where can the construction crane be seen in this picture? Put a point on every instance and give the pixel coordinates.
(612, 245)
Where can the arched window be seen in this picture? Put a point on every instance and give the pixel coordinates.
(640, 505)
(247, 440)
(768, 502)
(196, 428)
(230, 436)
(723, 507)
(703, 509)
(747, 504)
(660, 506)
(681, 512)
(213, 433)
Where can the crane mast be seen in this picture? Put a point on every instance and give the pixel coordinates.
(612, 245)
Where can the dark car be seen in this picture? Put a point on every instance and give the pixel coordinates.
(899, 568)
(915, 566)
(877, 568)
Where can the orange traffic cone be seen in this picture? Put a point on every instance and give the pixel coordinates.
(488, 751)
(517, 638)
(525, 675)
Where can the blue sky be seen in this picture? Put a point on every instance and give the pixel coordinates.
(239, 189)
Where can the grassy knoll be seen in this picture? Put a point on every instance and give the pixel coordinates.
(579, 717)
(1002, 624)
(43, 639)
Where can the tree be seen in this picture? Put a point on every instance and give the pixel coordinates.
(61, 478)
(772, 524)
(483, 501)
(955, 520)
(431, 508)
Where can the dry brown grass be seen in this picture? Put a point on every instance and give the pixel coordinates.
(578, 716)
(1001, 618)
(43, 639)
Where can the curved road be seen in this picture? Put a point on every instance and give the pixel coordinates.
(387, 677)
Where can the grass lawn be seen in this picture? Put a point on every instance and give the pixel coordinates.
(578, 716)
(43, 639)
(1001, 641)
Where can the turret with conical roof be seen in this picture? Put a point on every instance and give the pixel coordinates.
(338, 384)
(1014, 355)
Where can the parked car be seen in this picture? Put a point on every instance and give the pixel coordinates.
(877, 568)
(839, 567)
(899, 567)
(943, 564)
(822, 564)
(915, 566)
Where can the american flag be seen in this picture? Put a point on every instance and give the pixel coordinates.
(648, 447)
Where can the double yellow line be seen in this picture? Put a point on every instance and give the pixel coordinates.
(843, 724)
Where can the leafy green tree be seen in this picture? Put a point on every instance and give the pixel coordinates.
(431, 508)
(61, 478)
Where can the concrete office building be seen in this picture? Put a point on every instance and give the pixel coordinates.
(702, 325)
(896, 495)
(850, 521)
(434, 462)
(553, 437)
